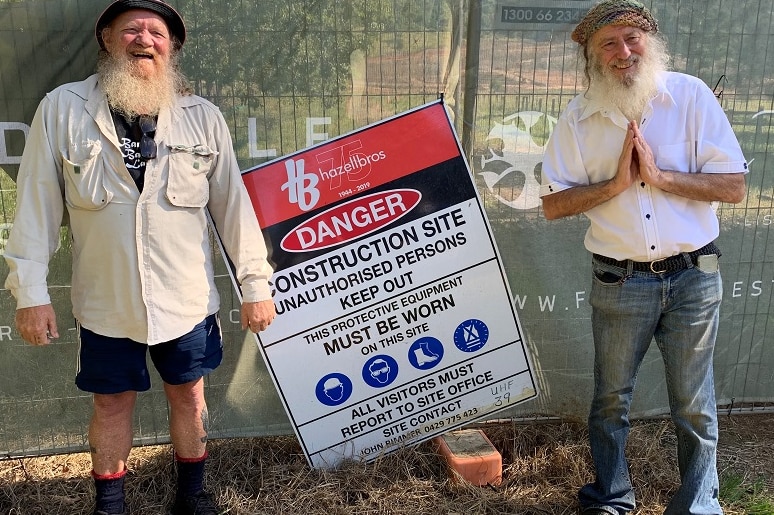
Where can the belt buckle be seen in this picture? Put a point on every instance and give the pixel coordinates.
(657, 271)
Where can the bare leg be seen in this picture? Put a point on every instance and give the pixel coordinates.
(188, 420)
(110, 432)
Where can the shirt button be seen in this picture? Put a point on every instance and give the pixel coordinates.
(647, 216)
(652, 247)
(642, 184)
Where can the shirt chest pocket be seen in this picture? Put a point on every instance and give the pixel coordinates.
(189, 168)
(84, 178)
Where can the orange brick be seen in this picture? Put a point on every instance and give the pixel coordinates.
(470, 454)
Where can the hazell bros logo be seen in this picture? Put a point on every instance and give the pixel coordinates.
(351, 220)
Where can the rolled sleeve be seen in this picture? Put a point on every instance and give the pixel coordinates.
(552, 187)
(726, 167)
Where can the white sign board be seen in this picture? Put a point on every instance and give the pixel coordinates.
(395, 323)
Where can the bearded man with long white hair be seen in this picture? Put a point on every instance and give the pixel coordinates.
(645, 154)
(138, 162)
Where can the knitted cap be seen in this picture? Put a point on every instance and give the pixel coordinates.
(171, 17)
(614, 12)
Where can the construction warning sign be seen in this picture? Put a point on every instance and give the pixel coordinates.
(395, 322)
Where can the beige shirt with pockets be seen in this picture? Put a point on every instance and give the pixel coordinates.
(142, 262)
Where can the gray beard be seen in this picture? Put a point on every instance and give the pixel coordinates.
(630, 101)
(632, 94)
(131, 95)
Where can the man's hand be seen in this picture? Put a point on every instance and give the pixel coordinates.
(706, 187)
(258, 315)
(628, 163)
(647, 169)
(37, 324)
(580, 199)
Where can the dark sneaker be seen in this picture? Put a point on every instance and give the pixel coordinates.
(198, 504)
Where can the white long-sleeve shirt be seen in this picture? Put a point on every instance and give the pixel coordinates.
(142, 262)
(688, 132)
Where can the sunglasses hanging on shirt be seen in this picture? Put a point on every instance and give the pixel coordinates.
(147, 143)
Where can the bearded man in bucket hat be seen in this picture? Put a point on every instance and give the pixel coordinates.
(645, 154)
(138, 162)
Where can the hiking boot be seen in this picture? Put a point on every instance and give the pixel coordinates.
(200, 503)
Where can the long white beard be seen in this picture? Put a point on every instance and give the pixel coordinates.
(632, 93)
(133, 95)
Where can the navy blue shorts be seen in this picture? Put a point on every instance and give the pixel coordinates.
(116, 365)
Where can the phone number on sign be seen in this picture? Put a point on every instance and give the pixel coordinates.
(509, 14)
(448, 421)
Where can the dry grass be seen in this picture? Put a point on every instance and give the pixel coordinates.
(543, 466)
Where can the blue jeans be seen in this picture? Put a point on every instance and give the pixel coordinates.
(680, 310)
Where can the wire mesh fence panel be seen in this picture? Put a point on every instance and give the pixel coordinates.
(287, 75)
(529, 70)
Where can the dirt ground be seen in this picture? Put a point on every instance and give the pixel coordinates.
(543, 466)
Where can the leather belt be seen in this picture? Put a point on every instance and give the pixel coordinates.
(660, 266)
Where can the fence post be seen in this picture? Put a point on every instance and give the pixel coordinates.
(472, 46)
